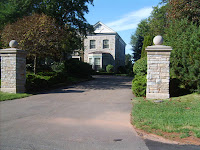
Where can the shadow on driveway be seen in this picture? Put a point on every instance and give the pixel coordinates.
(102, 82)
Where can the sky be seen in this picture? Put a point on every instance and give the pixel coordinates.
(121, 15)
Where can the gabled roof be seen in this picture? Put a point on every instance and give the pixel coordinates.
(99, 27)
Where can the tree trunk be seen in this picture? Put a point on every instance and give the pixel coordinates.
(35, 64)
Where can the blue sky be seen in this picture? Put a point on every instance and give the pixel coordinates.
(121, 15)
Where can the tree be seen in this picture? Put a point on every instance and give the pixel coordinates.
(148, 41)
(181, 9)
(158, 20)
(137, 39)
(184, 37)
(70, 12)
(39, 35)
(128, 59)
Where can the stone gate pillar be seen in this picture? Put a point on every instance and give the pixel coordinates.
(158, 77)
(13, 69)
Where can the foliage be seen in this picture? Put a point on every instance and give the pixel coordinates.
(177, 21)
(185, 60)
(121, 70)
(176, 115)
(137, 38)
(137, 48)
(39, 35)
(58, 66)
(148, 41)
(176, 88)
(44, 81)
(139, 85)
(140, 66)
(10, 96)
(152, 26)
(158, 20)
(182, 9)
(129, 64)
(66, 12)
(110, 68)
(78, 68)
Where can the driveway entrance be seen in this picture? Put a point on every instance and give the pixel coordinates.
(94, 115)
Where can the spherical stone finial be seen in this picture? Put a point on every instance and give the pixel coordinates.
(158, 40)
(13, 44)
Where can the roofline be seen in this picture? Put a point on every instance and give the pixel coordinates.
(99, 22)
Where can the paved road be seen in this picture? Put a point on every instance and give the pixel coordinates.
(94, 115)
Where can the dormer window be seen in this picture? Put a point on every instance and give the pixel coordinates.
(105, 43)
(92, 44)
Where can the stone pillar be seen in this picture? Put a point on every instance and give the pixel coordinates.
(13, 69)
(158, 77)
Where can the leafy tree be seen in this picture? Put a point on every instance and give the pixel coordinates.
(70, 12)
(39, 35)
(158, 20)
(181, 9)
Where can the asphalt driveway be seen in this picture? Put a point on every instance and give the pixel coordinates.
(94, 115)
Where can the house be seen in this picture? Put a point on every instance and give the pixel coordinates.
(104, 47)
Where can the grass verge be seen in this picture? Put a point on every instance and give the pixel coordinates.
(176, 115)
(10, 96)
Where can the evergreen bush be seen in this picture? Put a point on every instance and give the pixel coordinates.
(78, 68)
(139, 85)
(140, 66)
(184, 37)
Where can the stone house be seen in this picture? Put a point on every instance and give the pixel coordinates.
(104, 47)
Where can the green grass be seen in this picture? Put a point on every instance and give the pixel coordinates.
(177, 115)
(10, 96)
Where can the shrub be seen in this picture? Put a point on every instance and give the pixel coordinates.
(35, 83)
(140, 66)
(110, 68)
(78, 68)
(101, 70)
(139, 85)
(58, 67)
(121, 70)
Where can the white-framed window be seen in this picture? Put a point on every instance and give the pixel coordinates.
(105, 43)
(92, 44)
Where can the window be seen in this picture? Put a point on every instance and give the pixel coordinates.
(97, 61)
(92, 44)
(105, 43)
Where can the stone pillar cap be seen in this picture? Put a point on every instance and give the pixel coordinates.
(158, 40)
(13, 44)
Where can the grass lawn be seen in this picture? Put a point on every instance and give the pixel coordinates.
(10, 96)
(176, 115)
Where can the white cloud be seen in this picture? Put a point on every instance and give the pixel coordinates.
(130, 20)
